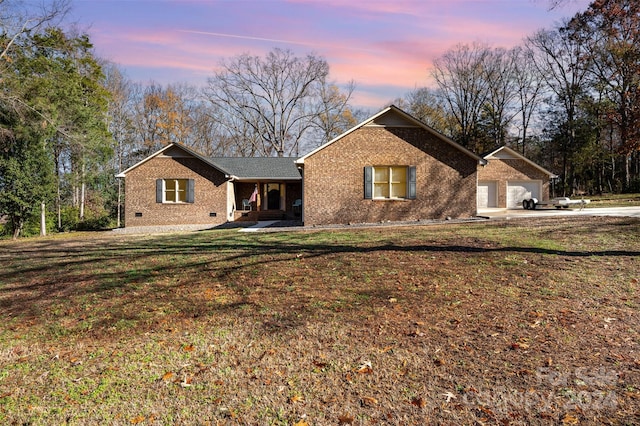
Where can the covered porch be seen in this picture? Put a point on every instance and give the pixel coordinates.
(267, 200)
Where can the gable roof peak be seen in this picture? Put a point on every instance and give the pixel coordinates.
(408, 118)
(513, 154)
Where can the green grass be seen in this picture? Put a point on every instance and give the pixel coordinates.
(613, 200)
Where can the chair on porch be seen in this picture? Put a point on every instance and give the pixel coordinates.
(297, 205)
(246, 204)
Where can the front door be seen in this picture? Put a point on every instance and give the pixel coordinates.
(273, 196)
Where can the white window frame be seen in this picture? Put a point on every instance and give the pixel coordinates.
(390, 182)
(176, 192)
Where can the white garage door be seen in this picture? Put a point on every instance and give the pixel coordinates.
(518, 191)
(487, 195)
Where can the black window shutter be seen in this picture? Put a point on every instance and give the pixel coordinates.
(158, 190)
(190, 191)
(368, 183)
(411, 192)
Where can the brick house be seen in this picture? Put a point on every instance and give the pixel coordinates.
(390, 167)
(508, 177)
(178, 186)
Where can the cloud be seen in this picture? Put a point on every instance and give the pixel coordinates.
(308, 43)
(387, 47)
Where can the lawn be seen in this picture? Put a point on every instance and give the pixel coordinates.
(515, 322)
(612, 200)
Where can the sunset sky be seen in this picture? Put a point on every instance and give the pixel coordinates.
(385, 46)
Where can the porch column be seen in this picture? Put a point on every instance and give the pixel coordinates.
(259, 197)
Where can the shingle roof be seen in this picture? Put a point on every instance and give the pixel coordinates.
(243, 168)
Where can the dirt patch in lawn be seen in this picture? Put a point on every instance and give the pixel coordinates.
(514, 322)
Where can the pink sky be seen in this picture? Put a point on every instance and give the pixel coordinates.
(385, 46)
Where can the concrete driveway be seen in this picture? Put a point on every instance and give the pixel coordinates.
(546, 212)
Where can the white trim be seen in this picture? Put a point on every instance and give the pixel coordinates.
(407, 117)
(231, 200)
(389, 184)
(176, 191)
(161, 151)
(519, 157)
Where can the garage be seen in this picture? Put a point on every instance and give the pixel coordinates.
(487, 194)
(520, 190)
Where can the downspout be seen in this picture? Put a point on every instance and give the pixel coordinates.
(303, 207)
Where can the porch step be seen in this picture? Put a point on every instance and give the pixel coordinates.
(256, 216)
(271, 215)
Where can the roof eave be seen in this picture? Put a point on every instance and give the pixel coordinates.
(522, 157)
(160, 151)
(409, 117)
(354, 128)
(265, 178)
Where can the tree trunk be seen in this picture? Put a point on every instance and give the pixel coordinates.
(82, 192)
(627, 171)
(43, 220)
(17, 228)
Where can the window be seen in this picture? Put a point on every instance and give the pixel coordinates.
(174, 190)
(390, 182)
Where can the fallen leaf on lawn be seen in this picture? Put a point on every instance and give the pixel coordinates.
(449, 396)
(569, 419)
(487, 411)
(168, 375)
(296, 398)
(416, 333)
(369, 401)
(419, 402)
(301, 423)
(188, 348)
(519, 345)
(365, 368)
(186, 382)
(136, 420)
(320, 364)
(345, 419)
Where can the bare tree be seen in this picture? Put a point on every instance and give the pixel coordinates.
(425, 104)
(459, 74)
(528, 88)
(147, 118)
(275, 96)
(563, 64)
(611, 31)
(120, 122)
(18, 18)
(499, 109)
(334, 116)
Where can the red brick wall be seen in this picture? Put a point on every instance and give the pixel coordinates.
(334, 178)
(504, 170)
(209, 193)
